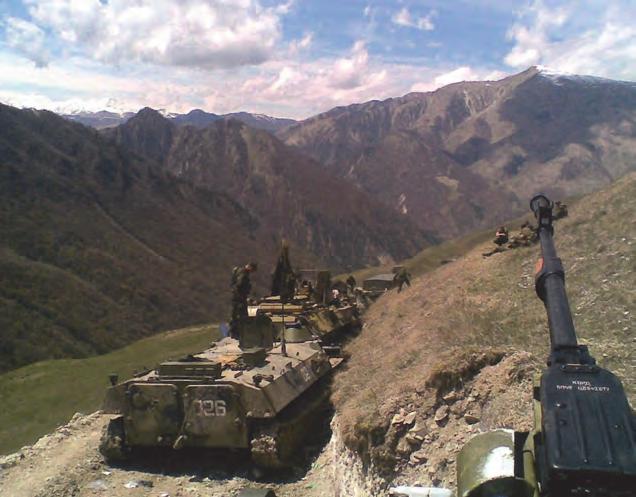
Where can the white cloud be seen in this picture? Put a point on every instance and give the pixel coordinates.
(531, 41)
(28, 39)
(463, 73)
(303, 44)
(605, 45)
(190, 33)
(404, 18)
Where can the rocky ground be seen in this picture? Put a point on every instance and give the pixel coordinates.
(426, 437)
(66, 463)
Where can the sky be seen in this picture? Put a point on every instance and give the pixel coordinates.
(292, 58)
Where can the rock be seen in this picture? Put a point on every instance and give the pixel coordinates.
(441, 414)
(76, 417)
(418, 431)
(397, 419)
(471, 419)
(450, 397)
(97, 485)
(403, 448)
(409, 419)
(418, 457)
(139, 483)
(413, 439)
(11, 460)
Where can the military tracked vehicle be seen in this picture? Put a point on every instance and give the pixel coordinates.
(302, 320)
(251, 394)
(259, 393)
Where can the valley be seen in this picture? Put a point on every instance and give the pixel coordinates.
(456, 352)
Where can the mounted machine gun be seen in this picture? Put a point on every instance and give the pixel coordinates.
(584, 437)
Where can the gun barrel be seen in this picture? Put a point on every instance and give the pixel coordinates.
(550, 280)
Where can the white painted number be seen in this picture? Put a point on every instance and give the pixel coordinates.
(210, 407)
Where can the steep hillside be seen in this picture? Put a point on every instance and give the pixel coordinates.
(457, 350)
(285, 192)
(98, 249)
(469, 154)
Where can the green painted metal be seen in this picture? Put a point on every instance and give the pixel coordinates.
(486, 467)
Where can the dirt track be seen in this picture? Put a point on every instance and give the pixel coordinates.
(67, 463)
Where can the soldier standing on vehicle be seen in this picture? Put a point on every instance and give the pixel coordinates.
(402, 277)
(241, 287)
(283, 277)
(351, 284)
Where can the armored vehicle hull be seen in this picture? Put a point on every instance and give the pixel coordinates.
(304, 320)
(234, 395)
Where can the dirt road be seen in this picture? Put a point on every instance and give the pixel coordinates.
(66, 463)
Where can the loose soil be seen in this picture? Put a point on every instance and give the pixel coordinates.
(66, 463)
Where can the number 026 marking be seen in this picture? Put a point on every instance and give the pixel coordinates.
(210, 407)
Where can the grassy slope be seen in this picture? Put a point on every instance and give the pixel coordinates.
(432, 257)
(38, 397)
(476, 302)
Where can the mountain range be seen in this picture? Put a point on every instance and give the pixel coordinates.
(107, 237)
(112, 234)
(196, 117)
(472, 153)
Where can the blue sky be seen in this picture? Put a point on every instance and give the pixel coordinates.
(292, 58)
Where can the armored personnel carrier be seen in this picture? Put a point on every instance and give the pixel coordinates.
(259, 393)
(250, 394)
(303, 320)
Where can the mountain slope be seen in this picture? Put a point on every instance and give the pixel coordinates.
(286, 193)
(98, 249)
(466, 155)
(477, 323)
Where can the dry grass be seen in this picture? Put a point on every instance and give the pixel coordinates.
(476, 303)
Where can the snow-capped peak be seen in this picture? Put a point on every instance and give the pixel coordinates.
(558, 77)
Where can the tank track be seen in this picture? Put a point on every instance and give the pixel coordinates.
(112, 444)
(264, 447)
(276, 443)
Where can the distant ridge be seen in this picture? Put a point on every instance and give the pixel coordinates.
(196, 117)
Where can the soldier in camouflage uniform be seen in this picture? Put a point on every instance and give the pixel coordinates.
(351, 285)
(241, 287)
(402, 277)
(283, 277)
(560, 210)
(527, 235)
(501, 238)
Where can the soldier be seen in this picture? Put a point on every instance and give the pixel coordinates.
(401, 277)
(501, 236)
(283, 278)
(351, 284)
(241, 287)
(335, 298)
(560, 210)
